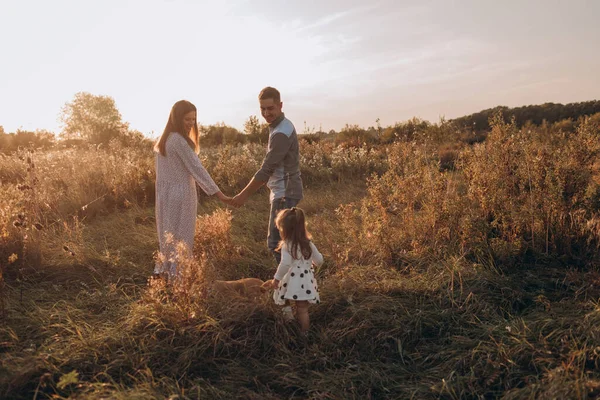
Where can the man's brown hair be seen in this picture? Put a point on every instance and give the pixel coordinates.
(270, 93)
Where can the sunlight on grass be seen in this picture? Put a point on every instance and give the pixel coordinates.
(452, 270)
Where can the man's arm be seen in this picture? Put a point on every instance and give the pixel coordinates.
(279, 146)
(250, 188)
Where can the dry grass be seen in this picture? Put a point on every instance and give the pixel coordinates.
(438, 283)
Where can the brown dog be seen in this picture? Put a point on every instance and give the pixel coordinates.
(246, 287)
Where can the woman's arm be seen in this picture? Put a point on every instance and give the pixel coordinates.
(223, 198)
(182, 149)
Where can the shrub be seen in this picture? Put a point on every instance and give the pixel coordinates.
(533, 189)
(413, 209)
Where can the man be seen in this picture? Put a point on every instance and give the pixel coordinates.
(280, 168)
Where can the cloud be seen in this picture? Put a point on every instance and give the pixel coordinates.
(329, 19)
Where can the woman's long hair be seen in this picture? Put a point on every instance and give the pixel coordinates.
(292, 227)
(175, 125)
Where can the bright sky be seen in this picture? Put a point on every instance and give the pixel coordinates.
(335, 62)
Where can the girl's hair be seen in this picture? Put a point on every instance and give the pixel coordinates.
(292, 228)
(175, 124)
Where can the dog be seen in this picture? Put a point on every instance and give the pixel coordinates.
(246, 287)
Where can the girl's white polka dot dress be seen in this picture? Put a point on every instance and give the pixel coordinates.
(297, 276)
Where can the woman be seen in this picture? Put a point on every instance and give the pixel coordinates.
(178, 169)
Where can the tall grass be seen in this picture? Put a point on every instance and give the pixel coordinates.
(515, 194)
(470, 275)
(536, 192)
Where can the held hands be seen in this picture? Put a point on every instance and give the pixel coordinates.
(223, 198)
(242, 196)
(275, 283)
(226, 200)
(238, 200)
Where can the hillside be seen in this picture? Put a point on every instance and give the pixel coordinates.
(536, 114)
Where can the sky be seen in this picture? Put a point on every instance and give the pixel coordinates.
(335, 62)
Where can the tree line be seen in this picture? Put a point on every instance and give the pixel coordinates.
(535, 114)
(95, 120)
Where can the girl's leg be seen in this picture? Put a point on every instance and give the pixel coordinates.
(302, 315)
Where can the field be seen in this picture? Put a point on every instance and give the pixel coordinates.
(455, 269)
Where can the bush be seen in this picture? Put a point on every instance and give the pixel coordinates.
(413, 210)
(533, 189)
(355, 136)
(11, 142)
(220, 134)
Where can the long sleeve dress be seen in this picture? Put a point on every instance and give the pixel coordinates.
(296, 276)
(176, 199)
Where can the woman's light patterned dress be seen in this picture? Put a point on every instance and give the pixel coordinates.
(176, 199)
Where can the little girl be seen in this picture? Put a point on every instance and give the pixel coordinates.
(295, 278)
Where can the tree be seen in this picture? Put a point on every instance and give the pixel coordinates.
(257, 132)
(220, 134)
(354, 136)
(40, 139)
(550, 112)
(94, 119)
